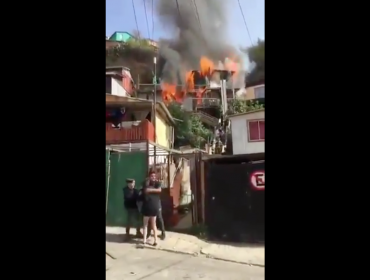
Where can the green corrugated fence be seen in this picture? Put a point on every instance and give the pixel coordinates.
(122, 165)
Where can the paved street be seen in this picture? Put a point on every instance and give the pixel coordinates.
(139, 264)
(188, 244)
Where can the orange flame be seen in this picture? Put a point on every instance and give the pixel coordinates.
(206, 66)
(168, 92)
(172, 92)
(189, 80)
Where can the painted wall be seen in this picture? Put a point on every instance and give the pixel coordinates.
(117, 88)
(250, 92)
(163, 132)
(239, 132)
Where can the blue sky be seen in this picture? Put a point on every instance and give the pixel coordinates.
(120, 17)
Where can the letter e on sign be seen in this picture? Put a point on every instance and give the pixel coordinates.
(258, 180)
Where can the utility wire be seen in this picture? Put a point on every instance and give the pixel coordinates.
(198, 18)
(153, 19)
(245, 22)
(146, 18)
(137, 25)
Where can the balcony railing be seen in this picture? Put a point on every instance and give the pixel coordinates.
(206, 102)
(143, 131)
(191, 104)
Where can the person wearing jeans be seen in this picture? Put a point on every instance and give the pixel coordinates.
(130, 196)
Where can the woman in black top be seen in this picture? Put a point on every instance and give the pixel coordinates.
(150, 207)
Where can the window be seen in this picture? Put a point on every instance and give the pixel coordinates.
(259, 92)
(256, 130)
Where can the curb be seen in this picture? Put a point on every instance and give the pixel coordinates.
(232, 261)
(172, 251)
(199, 253)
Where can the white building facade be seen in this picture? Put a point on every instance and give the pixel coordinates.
(248, 132)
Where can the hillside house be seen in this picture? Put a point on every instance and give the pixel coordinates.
(255, 91)
(130, 148)
(130, 120)
(122, 37)
(118, 81)
(248, 132)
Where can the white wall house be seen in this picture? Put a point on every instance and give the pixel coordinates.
(118, 81)
(114, 86)
(255, 92)
(248, 132)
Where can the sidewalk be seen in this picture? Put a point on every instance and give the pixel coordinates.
(187, 244)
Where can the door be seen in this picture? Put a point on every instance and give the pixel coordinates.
(228, 202)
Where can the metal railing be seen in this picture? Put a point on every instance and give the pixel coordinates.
(207, 102)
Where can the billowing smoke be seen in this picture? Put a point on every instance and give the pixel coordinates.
(191, 39)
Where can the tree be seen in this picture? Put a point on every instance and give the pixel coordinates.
(189, 129)
(256, 54)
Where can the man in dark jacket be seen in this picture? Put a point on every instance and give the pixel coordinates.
(160, 221)
(130, 196)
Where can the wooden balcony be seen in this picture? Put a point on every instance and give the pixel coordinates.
(144, 131)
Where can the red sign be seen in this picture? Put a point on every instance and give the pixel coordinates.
(258, 180)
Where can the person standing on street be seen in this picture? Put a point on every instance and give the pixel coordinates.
(130, 197)
(150, 206)
(159, 215)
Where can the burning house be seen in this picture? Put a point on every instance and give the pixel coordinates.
(197, 62)
(196, 65)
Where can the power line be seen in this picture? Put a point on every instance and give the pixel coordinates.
(153, 19)
(199, 22)
(245, 22)
(146, 18)
(137, 25)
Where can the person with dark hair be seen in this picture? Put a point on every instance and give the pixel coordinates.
(150, 206)
(159, 219)
(130, 197)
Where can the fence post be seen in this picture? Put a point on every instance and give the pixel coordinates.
(107, 195)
